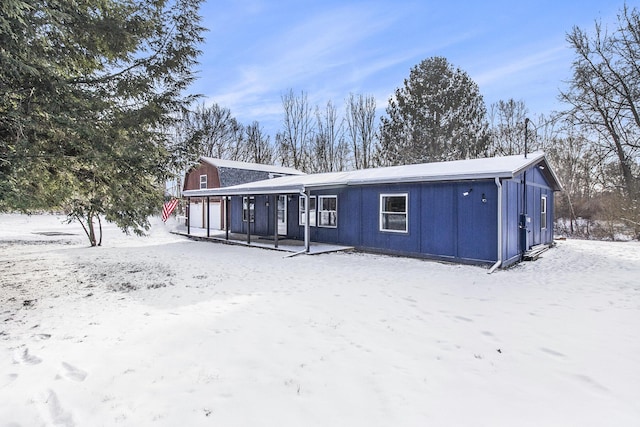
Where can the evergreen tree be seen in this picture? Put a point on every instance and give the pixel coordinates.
(84, 88)
(438, 115)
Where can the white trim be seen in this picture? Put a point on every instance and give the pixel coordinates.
(312, 212)
(205, 182)
(499, 261)
(320, 210)
(250, 208)
(543, 212)
(307, 223)
(507, 167)
(283, 227)
(382, 212)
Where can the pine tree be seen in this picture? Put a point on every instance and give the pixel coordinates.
(84, 88)
(438, 115)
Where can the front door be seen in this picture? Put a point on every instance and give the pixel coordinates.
(282, 215)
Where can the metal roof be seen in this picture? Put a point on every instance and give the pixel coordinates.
(486, 168)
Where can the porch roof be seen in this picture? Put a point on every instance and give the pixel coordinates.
(506, 167)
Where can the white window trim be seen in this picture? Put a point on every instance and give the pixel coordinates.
(320, 210)
(205, 181)
(249, 210)
(406, 213)
(543, 213)
(302, 214)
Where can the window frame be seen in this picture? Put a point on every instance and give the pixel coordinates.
(543, 212)
(383, 213)
(251, 200)
(302, 213)
(320, 211)
(205, 182)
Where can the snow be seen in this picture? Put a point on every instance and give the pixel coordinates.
(456, 170)
(223, 163)
(163, 330)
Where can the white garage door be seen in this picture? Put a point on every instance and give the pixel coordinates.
(214, 215)
(198, 215)
(195, 215)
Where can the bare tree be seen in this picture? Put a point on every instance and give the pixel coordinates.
(329, 150)
(603, 92)
(236, 148)
(576, 165)
(361, 129)
(506, 127)
(294, 140)
(215, 132)
(258, 146)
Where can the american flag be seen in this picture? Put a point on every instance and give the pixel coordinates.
(168, 208)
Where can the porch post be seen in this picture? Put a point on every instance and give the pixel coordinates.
(275, 219)
(188, 216)
(208, 228)
(226, 216)
(248, 219)
(307, 226)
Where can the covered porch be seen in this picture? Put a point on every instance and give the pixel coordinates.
(290, 246)
(262, 206)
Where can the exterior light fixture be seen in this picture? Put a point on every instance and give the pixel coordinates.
(466, 193)
(484, 198)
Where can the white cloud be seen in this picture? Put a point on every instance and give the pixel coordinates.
(349, 48)
(520, 65)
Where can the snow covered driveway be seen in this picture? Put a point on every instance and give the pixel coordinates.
(165, 331)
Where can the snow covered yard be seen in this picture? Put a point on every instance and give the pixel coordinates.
(162, 330)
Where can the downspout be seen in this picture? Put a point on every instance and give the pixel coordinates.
(499, 261)
(307, 226)
(227, 216)
(208, 216)
(523, 218)
(275, 220)
(248, 219)
(188, 216)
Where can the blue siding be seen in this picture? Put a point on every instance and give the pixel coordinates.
(235, 220)
(349, 206)
(443, 222)
(478, 222)
(438, 209)
(511, 208)
(513, 195)
(372, 237)
(263, 216)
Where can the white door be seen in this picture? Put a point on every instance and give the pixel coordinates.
(214, 216)
(196, 214)
(282, 215)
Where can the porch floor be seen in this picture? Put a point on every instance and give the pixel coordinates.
(284, 245)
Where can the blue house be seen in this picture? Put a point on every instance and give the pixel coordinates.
(483, 211)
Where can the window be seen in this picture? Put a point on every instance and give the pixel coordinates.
(543, 212)
(393, 212)
(328, 211)
(203, 181)
(248, 205)
(312, 211)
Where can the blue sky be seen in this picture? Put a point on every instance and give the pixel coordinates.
(256, 50)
